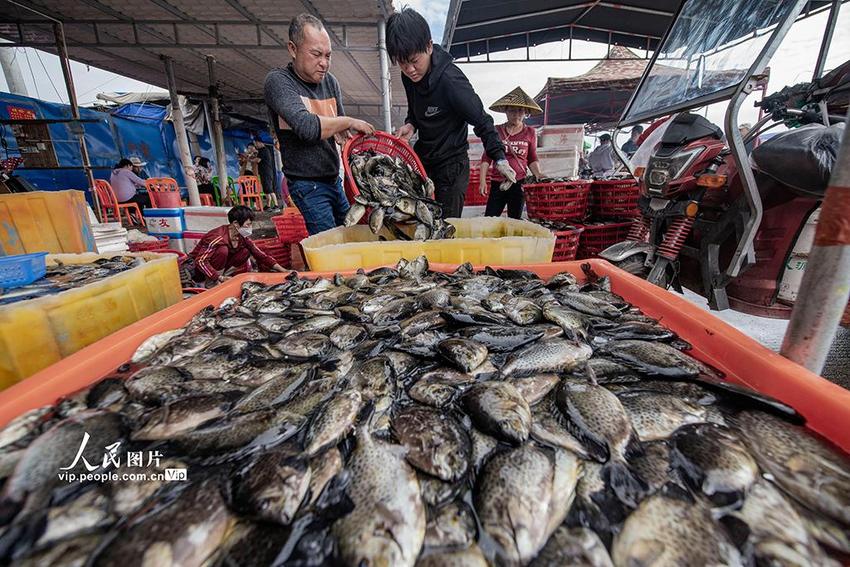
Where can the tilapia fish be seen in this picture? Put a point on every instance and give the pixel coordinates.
(402, 417)
(514, 490)
(673, 530)
(599, 420)
(397, 196)
(808, 469)
(387, 525)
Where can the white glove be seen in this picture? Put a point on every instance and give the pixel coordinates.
(506, 170)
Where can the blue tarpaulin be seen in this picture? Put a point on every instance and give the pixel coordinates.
(134, 129)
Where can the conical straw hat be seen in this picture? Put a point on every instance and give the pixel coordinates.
(517, 99)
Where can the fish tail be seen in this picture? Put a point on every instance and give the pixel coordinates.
(628, 487)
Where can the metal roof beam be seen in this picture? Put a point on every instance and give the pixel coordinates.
(123, 18)
(260, 25)
(451, 22)
(8, 19)
(183, 15)
(171, 45)
(551, 29)
(565, 9)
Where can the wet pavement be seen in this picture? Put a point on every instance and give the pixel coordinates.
(770, 333)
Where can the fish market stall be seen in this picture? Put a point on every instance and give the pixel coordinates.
(546, 415)
(81, 299)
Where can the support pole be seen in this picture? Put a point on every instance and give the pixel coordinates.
(12, 71)
(278, 159)
(76, 127)
(216, 132)
(827, 39)
(386, 93)
(826, 282)
(180, 134)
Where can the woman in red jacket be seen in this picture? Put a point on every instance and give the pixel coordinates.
(227, 250)
(521, 150)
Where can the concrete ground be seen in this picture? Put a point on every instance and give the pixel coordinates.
(770, 332)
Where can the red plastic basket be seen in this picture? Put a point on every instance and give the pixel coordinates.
(380, 142)
(473, 196)
(557, 201)
(290, 226)
(161, 244)
(596, 237)
(614, 198)
(276, 249)
(566, 244)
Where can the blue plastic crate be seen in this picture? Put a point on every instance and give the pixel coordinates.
(22, 269)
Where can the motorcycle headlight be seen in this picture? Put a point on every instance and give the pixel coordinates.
(661, 170)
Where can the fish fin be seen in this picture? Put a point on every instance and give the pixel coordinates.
(587, 515)
(744, 397)
(634, 447)
(673, 489)
(9, 509)
(739, 532)
(628, 487)
(591, 375)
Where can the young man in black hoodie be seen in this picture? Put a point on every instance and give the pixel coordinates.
(440, 105)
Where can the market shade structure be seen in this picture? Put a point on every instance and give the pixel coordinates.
(597, 97)
(247, 38)
(482, 27)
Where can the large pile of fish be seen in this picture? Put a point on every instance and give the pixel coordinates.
(401, 417)
(62, 277)
(395, 195)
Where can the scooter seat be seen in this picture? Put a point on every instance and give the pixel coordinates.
(801, 159)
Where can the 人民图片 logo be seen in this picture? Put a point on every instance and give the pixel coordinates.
(108, 465)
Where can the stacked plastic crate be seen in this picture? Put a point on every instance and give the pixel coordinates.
(291, 230)
(613, 208)
(586, 217)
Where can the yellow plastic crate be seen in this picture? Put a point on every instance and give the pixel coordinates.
(37, 333)
(45, 221)
(486, 240)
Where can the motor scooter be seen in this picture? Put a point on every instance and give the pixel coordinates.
(718, 216)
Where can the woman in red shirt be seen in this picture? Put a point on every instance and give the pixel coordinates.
(521, 150)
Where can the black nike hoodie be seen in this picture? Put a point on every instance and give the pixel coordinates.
(440, 106)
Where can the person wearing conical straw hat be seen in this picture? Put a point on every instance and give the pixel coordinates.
(521, 150)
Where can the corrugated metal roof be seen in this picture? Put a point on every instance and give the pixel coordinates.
(477, 27)
(246, 37)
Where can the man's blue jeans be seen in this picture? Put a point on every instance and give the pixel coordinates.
(324, 206)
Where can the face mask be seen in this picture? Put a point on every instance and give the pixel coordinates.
(245, 231)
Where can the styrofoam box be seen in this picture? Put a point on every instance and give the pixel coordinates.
(191, 239)
(204, 219)
(175, 241)
(164, 221)
(476, 148)
(793, 276)
(807, 235)
(796, 266)
(558, 163)
(561, 136)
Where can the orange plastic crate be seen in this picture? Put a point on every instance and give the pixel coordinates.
(825, 405)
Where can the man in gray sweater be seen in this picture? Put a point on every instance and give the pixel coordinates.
(305, 103)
